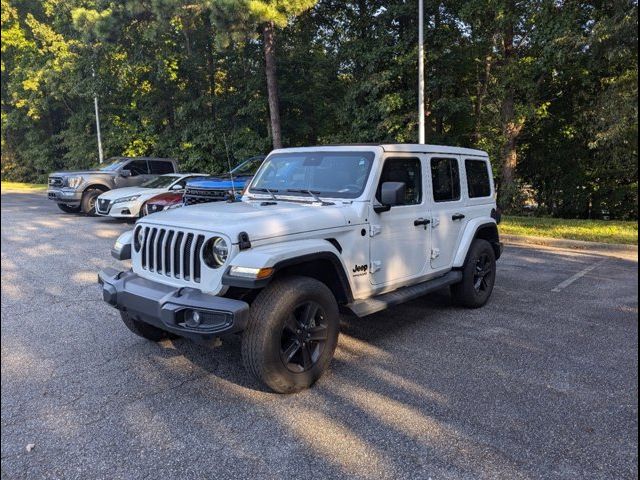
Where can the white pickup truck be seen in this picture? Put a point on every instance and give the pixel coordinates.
(319, 231)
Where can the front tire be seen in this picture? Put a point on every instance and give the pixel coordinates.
(144, 330)
(478, 276)
(291, 334)
(89, 198)
(68, 208)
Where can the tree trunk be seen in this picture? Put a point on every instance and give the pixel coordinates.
(511, 127)
(272, 83)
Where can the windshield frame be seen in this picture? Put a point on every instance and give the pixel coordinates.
(303, 195)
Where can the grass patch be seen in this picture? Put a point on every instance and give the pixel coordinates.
(587, 230)
(17, 187)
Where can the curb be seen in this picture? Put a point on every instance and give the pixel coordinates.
(569, 244)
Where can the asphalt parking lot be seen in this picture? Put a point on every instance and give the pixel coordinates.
(541, 383)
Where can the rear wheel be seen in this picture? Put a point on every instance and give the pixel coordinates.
(478, 276)
(291, 334)
(89, 198)
(144, 330)
(69, 208)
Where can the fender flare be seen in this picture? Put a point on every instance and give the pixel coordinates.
(97, 186)
(470, 233)
(283, 255)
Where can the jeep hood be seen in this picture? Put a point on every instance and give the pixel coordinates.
(258, 220)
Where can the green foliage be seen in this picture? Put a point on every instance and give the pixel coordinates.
(187, 80)
(585, 230)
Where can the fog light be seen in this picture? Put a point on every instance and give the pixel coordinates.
(192, 318)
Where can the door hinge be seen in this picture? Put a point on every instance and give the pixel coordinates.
(375, 230)
(435, 222)
(435, 253)
(375, 266)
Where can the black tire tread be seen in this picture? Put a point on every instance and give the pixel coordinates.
(463, 293)
(142, 329)
(256, 333)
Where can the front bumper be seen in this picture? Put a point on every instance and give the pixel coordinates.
(121, 210)
(165, 307)
(64, 195)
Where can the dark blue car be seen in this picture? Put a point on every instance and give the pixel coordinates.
(222, 187)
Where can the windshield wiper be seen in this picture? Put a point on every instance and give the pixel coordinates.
(313, 193)
(266, 190)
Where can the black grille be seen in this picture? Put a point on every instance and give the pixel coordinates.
(103, 206)
(56, 182)
(172, 253)
(194, 196)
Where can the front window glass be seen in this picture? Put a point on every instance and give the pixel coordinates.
(248, 167)
(328, 174)
(407, 171)
(160, 182)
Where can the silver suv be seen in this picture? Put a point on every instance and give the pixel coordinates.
(77, 191)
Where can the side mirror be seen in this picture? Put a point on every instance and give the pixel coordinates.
(125, 173)
(391, 195)
(177, 186)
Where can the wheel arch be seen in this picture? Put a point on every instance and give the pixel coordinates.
(318, 259)
(97, 186)
(483, 228)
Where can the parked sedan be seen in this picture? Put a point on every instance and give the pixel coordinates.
(128, 202)
(163, 201)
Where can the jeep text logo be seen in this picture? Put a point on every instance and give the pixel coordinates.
(360, 268)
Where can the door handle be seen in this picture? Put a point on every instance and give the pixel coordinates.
(421, 221)
(457, 216)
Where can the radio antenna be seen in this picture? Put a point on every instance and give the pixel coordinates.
(226, 147)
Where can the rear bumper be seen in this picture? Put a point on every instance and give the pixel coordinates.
(166, 307)
(64, 195)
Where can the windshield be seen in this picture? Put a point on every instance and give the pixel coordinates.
(248, 167)
(160, 182)
(114, 165)
(329, 174)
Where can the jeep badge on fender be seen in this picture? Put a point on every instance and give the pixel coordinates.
(319, 230)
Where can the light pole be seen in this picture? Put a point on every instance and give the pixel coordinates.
(421, 128)
(95, 106)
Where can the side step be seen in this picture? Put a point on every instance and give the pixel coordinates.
(362, 308)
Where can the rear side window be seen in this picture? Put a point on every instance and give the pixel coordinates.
(478, 182)
(445, 177)
(405, 170)
(160, 168)
(137, 167)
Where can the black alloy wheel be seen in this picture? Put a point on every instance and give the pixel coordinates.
(304, 337)
(482, 274)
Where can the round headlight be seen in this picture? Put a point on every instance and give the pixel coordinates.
(139, 238)
(216, 252)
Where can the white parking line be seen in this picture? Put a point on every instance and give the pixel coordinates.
(577, 276)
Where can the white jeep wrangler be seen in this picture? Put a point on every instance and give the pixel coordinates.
(319, 231)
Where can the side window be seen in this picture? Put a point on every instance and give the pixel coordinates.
(405, 170)
(159, 167)
(445, 176)
(478, 182)
(137, 167)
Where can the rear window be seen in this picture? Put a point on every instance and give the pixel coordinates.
(478, 183)
(445, 177)
(159, 167)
